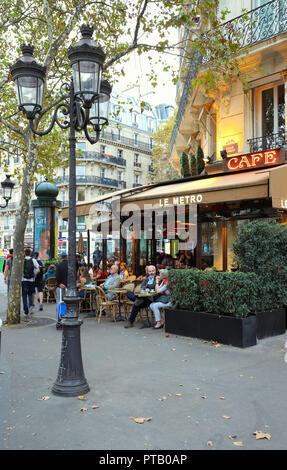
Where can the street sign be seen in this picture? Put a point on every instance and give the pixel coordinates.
(60, 241)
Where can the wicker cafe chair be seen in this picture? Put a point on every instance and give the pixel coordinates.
(127, 303)
(50, 287)
(103, 303)
(86, 302)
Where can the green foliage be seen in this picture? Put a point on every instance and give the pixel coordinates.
(192, 165)
(162, 165)
(199, 160)
(184, 166)
(260, 247)
(225, 293)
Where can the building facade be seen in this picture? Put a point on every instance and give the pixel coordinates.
(237, 118)
(121, 159)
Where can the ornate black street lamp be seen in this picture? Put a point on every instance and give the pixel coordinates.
(87, 106)
(7, 186)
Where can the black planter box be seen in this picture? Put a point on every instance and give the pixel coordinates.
(270, 323)
(239, 332)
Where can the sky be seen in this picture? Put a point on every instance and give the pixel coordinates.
(135, 74)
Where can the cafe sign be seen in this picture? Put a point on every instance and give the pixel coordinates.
(254, 160)
(180, 200)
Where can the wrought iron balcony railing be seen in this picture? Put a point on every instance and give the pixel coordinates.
(102, 158)
(139, 144)
(92, 179)
(258, 24)
(270, 141)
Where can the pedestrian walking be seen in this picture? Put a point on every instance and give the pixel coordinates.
(39, 283)
(30, 269)
(8, 269)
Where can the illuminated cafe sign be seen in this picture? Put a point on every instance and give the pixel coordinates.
(254, 160)
(180, 200)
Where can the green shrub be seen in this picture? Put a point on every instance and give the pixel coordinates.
(184, 286)
(260, 247)
(224, 293)
(199, 160)
(184, 166)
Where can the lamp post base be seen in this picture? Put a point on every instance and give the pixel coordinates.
(71, 381)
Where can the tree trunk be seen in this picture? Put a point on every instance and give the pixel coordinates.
(14, 302)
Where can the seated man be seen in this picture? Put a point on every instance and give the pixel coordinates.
(112, 282)
(148, 283)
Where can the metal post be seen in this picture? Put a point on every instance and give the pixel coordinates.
(71, 380)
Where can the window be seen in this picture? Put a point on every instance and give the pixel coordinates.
(81, 195)
(120, 175)
(119, 134)
(135, 119)
(269, 116)
(103, 149)
(81, 146)
(150, 124)
(103, 173)
(120, 153)
(137, 179)
(81, 170)
(81, 220)
(137, 160)
(136, 139)
(6, 221)
(150, 143)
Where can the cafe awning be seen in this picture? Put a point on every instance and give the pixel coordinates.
(243, 185)
(223, 188)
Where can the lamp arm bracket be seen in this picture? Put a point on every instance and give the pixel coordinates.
(91, 139)
(65, 125)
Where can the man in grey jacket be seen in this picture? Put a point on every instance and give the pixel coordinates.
(112, 282)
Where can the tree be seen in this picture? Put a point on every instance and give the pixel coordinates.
(51, 24)
(200, 164)
(162, 166)
(184, 165)
(192, 165)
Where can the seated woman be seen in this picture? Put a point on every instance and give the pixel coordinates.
(123, 272)
(162, 300)
(139, 302)
(84, 279)
(50, 273)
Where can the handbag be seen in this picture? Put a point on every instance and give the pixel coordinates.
(164, 298)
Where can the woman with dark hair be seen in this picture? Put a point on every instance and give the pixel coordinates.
(84, 278)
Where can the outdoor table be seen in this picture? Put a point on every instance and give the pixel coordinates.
(92, 288)
(147, 323)
(119, 291)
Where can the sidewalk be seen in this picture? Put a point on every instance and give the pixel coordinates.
(193, 391)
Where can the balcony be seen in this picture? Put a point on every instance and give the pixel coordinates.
(102, 157)
(92, 179)
(137, 165)
(126, 141)
(257, 25)
(267, 142)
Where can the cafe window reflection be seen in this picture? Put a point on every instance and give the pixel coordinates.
(211, 245)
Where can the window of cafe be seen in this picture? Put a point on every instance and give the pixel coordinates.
(269, 116)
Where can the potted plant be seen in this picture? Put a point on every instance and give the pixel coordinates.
(213, 306)
(260, 247)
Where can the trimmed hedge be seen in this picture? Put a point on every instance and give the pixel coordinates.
(228, 293)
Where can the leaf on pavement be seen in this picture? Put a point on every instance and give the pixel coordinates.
(82, 397)
(44, 398)
(238, 443)
(84, 409)
(140, 419)
(262, 435)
